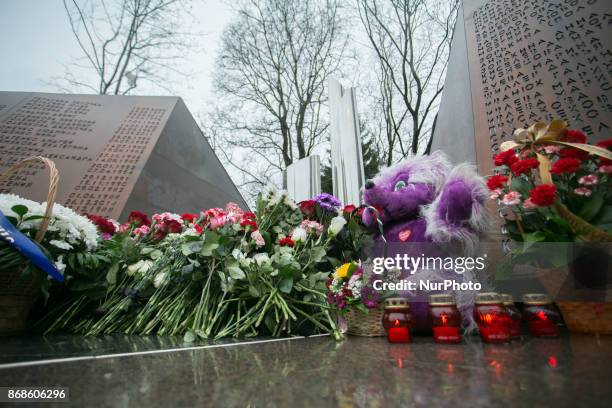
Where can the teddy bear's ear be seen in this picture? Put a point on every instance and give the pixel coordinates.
(431, 169)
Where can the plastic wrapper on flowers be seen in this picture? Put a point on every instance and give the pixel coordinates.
(223, 272)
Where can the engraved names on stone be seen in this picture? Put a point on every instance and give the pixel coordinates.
(540, 60)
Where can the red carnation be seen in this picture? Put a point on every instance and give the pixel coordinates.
(543, 195)
(569, 165)
(307, 207)
(249, 220)
(138, 219)
(189, 218)
(286, 242)
(575, 153)
(496, 181)
(574, 136)
(349, 208)
(508, 158)
(103, 224)
(523, 166)
(605, 144)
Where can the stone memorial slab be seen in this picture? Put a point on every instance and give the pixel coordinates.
(538, 60)
(115, 153)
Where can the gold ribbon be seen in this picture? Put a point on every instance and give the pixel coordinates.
(541, 133)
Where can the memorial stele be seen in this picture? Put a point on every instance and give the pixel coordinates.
(514, 63)
(115, 154)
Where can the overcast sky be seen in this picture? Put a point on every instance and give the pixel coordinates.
(37, 41)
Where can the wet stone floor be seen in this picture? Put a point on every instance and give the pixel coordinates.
(574, 370)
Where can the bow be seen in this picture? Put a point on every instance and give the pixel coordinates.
(541, 133)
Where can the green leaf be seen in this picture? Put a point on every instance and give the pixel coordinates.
(592, 206)
(156, 254)
(33, 217)
(334, 261)
(208, 248)
(187, 269)
(534, 237)
(211, 236)
(521, 185)
(189, 337)
(286, 285)
(253, 291)
(192, 247)
(235, 272)
(12, 220)
(318, 253)
(361, 306)
(111, 275)
(20, 210)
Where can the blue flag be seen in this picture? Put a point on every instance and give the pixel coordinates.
(13, 237)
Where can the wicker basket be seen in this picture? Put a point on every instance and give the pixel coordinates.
(579, 316)
(587, 317)
(365, 324)
(18, 294)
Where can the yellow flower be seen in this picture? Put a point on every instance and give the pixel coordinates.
(342, 271)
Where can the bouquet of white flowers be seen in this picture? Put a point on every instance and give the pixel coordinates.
(33, 238)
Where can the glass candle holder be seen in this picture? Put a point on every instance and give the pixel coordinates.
(492, 318)
(514, 323)
(397, 320)
(542, 319)
(445, 319)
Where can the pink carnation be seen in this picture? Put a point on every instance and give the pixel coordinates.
(218, 222)
(588, 180)
(232, 207)
(512, 198)
(166, 216)
(605, 169)
(583, 191)
(529, 205)
(258, 238)
(552, 149)
(142, 230)
(495, 193)
(312, 226)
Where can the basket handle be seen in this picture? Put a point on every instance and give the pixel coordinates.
(53, 183)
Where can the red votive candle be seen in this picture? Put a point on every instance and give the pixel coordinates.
(492, 318)
(542, 319)
(445, 319)
(397, 320)
(514, 321)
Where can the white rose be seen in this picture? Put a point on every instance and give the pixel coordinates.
(140, 267)
(262, 259)
(336, 225)
(159, 279)
(299, 234)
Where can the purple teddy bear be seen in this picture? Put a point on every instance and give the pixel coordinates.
(425, 201)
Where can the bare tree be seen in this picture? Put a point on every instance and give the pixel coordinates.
(125, 43)
(411, 42)
(271, 75)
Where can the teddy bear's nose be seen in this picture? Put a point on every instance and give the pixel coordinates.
(369, 184)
